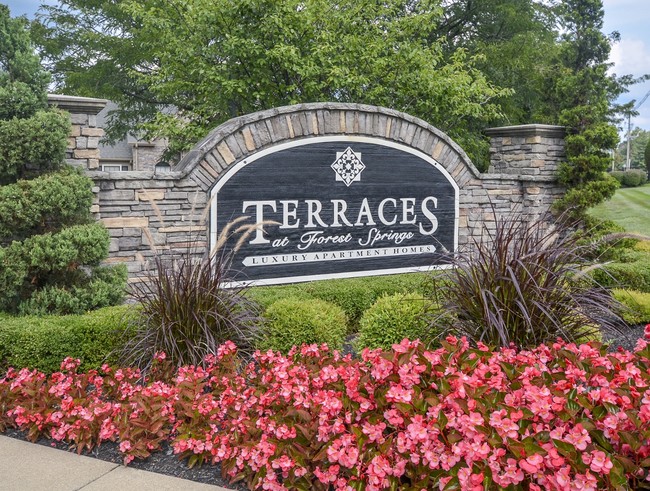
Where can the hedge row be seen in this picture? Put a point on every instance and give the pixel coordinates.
(630, 178)
(42, 342)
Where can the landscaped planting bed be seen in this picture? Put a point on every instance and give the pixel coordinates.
(561, 416)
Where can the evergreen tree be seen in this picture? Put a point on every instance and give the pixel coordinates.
(583, 93)
(50, 249)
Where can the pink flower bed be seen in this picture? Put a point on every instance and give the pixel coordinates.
(560, 417)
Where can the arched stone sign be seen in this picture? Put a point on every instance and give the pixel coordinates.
(335, 207)
(298, 166)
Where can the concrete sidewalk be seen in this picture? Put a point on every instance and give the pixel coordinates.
(27, 466)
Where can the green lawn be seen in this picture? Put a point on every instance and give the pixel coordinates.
(630, 208)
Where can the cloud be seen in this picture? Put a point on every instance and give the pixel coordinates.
(630, 56)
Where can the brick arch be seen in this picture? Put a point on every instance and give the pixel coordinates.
(244, 136)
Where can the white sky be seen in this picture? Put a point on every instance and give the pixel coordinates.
(631, 18)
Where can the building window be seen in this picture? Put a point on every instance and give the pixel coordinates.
(163, 168)
(115, 168)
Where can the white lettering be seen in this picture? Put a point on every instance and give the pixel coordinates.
(380, 211)
(314, 213)
(365, 211)
(408, 208)
(289, 213)
(340, 206)
(259, 218)
(429, 214)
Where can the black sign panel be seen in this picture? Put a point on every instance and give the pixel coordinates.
(335, 207)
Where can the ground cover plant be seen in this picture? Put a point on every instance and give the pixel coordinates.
(560, 416)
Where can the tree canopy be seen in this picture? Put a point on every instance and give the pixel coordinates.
(213, 60)
(178, 69)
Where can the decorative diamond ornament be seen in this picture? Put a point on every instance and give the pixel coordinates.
(348, 166)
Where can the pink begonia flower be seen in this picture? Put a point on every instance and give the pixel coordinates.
(532, 464)
(646, 331)
(599, 462)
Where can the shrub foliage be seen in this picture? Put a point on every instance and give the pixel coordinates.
(393, 318)
(41, 342)
(295, 321)
(49, 250)
(525, 286)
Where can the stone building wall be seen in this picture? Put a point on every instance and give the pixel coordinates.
(150, 214)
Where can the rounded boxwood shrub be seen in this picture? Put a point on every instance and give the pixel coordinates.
(353, 295)
(393, 318)
(628, 275)
(630, 178)
(294, 321)
(637, 303)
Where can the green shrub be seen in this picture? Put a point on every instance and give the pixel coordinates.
(395, 317)
(643, 246)
(43, 342)
(294, 321)
(44, 204)
(48, 267)
(187, 312)
(49, 243)
(637, 303)
(603, 240)
(103, 288)
(630, 275)
(32, 145)
(618, 175)
(630, 178)
(353, 295)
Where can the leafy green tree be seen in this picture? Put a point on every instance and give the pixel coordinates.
(50, 249)
(213, 60)
(514, 40)
(583, 93)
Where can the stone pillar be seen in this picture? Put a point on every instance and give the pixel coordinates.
(83, 143)
(526, 150)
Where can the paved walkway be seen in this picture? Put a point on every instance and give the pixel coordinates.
(27, 466)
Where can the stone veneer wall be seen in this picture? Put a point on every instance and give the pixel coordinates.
(168, 214)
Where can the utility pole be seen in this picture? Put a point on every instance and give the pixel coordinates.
(629, 129)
